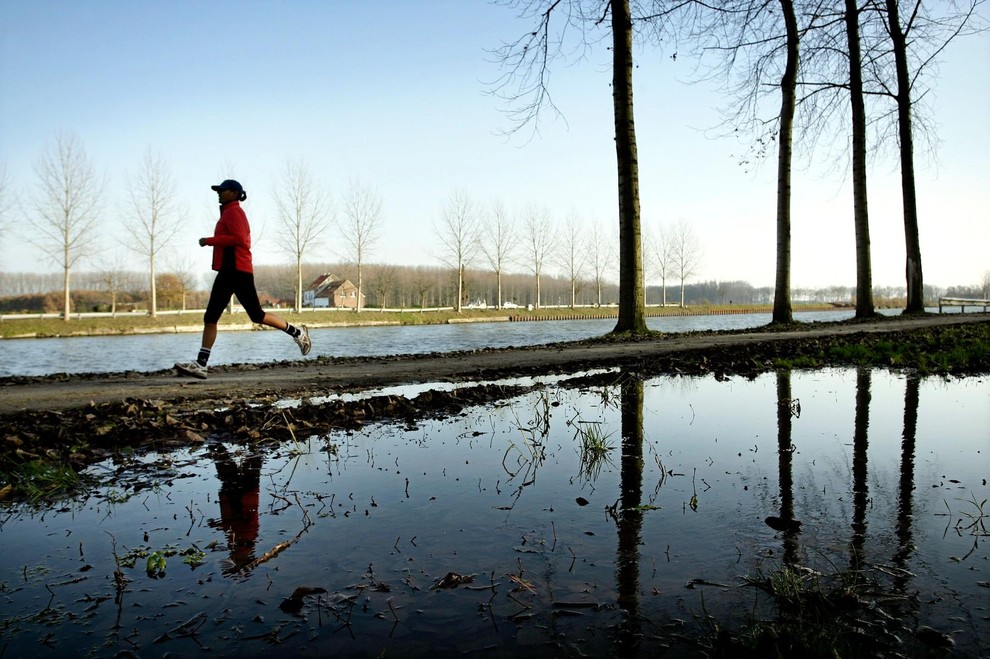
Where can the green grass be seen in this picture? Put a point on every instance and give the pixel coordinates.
(959, 349)
(38, 480)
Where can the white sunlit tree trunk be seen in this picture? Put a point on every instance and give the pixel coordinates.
(685, 254)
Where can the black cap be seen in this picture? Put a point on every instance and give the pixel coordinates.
(229, 184)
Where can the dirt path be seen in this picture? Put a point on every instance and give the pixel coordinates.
(325, 376)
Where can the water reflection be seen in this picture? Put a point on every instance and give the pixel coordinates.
(787, 408)
(240, 485)
(630, 517)
(491, 495)
(860, 488)
(905, 490)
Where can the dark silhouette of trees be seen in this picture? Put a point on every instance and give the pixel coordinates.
(526, 62)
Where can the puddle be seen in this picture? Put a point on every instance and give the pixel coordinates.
(493, 532)
(413, 390)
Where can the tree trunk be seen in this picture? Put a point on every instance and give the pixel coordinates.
(782, 311)
(915, 280)
(861, 214)
(498, 279)
(632, 307)
(299, 290)
(538, 289)
(66, 302)
(357, 303)
(153, 311)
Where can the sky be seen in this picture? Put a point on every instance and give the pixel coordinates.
(395, 94)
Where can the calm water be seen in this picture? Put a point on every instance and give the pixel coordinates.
(109, 354)
(566, 555)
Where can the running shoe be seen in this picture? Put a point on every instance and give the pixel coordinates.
(192, 369)
(302, 341)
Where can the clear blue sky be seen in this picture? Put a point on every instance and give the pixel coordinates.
(392, 92)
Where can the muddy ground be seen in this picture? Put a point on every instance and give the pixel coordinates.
(77, 419)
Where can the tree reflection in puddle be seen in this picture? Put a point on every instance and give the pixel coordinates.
(484, 533)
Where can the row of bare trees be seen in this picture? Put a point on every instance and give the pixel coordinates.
(66, 211)
(825, 58)
(69, 203)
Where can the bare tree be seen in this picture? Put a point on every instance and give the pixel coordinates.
(423, 283)
(67, 204)
(985, 285)
(632, 290)
(662, 255)
(526, 64)
(601, 255)
(915, 43)
(757, 44)
(360, 226)
(458, 230)
(572, 256)
(184, 277)
(685, 253)
(539, 239)
(382, 281)
(114, 278)
(304, 213)
(498, 242)
(152, 218)
(861, 212)
(782, 308)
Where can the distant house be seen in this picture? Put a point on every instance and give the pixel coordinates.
(327, 291)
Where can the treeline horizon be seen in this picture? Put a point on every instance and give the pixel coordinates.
(412, 287)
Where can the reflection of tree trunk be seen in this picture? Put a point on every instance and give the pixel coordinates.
(904, 503)
(631, 517)
(785, 453)
(860, 486)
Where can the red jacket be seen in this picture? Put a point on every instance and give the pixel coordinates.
(232, 233)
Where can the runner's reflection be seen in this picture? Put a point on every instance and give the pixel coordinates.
(240, 483)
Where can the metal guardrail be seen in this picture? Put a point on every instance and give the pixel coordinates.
(962, 302)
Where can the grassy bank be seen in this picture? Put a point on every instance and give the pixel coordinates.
(134, 323)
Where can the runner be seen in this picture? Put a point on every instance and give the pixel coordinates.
(231, 243)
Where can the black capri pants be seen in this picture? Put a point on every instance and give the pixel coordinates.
(233, 282)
